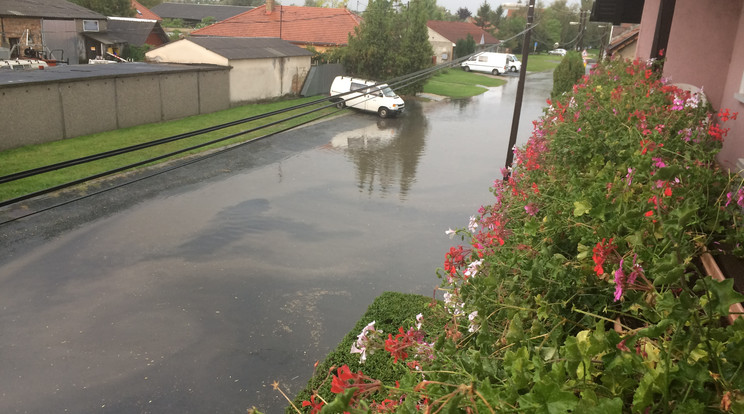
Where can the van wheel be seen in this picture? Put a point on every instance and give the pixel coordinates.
(341, 105)
(495, 71)
(513, 68)
(383, 112)
(466, 68)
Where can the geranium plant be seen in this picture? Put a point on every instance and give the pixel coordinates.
(579, 289)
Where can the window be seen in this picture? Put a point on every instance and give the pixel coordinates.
(90, 25)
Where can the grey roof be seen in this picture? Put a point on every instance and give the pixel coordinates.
(249, 47)
(134, 31)
(76, 72)
(197, 11)
(60, 9)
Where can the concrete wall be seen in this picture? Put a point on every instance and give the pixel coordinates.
(278, 77)
(35, 113)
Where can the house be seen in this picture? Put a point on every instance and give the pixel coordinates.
(54, 29)
(702, 45)
(193, 14)
(319, 27)
(260, 68)
(443, 36)
(137, 32)
(624, 44)
(142, 12)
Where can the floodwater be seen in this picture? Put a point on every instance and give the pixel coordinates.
(192, 291)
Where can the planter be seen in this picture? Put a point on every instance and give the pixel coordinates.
(730, 266)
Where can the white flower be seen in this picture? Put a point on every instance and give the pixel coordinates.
(363, 339)
(451, 233)
(473, 224)
(419, 320)
(473, 326)
(473, 268)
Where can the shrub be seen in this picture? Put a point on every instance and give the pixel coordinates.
(567, 73)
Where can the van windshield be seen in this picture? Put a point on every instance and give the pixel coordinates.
(386, 91)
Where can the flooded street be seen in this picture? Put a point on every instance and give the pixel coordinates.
(192, 291)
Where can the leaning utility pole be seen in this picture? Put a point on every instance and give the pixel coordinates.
(520, 89)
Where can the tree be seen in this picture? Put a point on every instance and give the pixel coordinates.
(415, 50)
(122, 8)
(463, 13)
(150, 3)
(483, 17)
(465, 46)
(369, 53)
(327, 3)
(390, 43)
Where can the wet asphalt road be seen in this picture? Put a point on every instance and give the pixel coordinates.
(190, 292)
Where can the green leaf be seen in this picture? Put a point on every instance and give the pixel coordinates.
(340, 403)
(548, 398)
(723, 294)
(581, 208)
(668, 173)
(667, 270)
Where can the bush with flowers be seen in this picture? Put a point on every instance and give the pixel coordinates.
(579, 289)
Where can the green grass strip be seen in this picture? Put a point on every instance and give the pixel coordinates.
(390, 311)
(33, 156)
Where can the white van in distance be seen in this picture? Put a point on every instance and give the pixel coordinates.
(366, 96)
(489, 62)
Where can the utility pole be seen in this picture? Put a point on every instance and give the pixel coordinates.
(582, 28)
(520, 89)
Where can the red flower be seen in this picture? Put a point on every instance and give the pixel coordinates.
(340, 381)
(600, 253)
(316, 406)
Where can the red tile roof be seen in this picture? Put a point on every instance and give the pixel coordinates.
(454, 31)
(299, 25)
(143, 12)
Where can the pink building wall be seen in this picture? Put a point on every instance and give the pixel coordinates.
(705, 49)
(733, 98)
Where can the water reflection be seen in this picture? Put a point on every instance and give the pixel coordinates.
(387, 151)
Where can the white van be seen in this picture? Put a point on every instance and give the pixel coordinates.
(513, 63)
(366, 96)
(489, 62)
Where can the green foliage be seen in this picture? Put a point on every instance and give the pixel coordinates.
(465, 47)
(108, 7)
(568, 72)
(463, 13)
(173, 23)
(389, 43)
(389, 311)
(136, 53)
(579, 288)
(207, 21)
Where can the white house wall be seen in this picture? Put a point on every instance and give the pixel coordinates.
(256, 79)
(441, 46)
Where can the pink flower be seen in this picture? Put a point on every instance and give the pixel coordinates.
(531, 209)
(619, 280)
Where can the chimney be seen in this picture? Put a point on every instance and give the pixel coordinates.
(269, 6)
